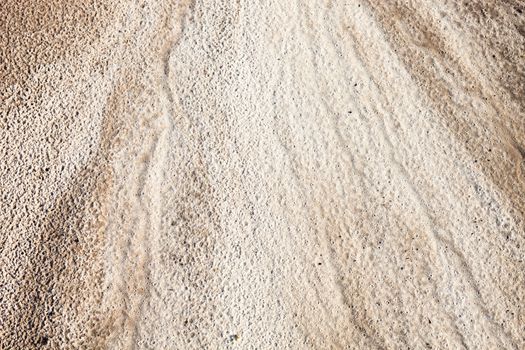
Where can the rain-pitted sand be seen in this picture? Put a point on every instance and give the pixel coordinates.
(262, 175)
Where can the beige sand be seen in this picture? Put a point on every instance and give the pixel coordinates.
(262, 174)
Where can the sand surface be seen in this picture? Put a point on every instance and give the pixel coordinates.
(262, 174)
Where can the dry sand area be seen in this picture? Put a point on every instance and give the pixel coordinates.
(274, 174)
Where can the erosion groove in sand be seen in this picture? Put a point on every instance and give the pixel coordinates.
(318, 174)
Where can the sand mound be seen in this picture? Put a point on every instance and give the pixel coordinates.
(262, 175)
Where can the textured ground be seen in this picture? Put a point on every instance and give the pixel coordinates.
(262, 174)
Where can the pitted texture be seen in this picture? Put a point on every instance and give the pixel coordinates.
(182, 174)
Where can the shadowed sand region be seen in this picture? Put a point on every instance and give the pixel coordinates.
(193, 174)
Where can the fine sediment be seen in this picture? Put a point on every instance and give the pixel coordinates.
(183, 174)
